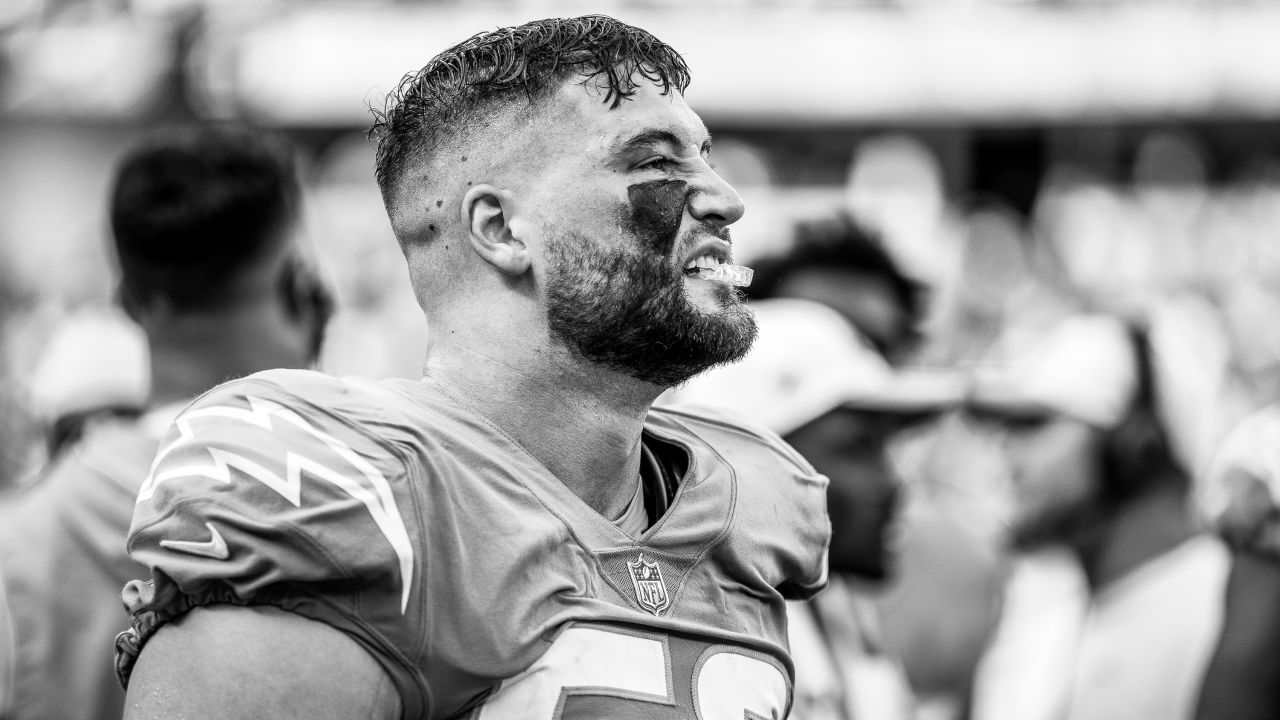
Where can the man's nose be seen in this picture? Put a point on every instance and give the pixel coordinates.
(714, 201)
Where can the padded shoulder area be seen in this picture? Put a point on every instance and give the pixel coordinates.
(727, 431)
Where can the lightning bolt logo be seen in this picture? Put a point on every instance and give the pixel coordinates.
(366, 484)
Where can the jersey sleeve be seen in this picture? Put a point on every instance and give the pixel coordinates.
(277, 489)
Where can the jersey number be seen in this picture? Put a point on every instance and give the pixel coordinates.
(594, 672)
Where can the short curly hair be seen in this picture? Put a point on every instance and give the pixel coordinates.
(452, 92)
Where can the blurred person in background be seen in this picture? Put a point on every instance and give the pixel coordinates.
(937, 609)
(1239, 497)
(21, 448)
(518, 533)
(895, 185)
(840, 263)
(817, 381)
(1240, 494)
(377, 330)
(95, 362)
(1122, 607)
(204, 224)
(1005, 285)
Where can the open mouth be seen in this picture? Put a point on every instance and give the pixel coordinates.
(703, 262)
(709, 267)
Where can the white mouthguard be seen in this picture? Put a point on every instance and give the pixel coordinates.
(738, 275)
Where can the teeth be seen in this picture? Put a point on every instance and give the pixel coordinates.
(710, 268)
(704, 262)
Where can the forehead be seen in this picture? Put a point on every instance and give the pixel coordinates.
(598, 128)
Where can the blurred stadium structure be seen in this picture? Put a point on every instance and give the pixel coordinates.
(1126, 151)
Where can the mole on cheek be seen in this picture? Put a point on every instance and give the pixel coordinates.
(657, 208)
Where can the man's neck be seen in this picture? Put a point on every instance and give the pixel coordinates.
(1142, 530)
(191, 353)
(582, 422)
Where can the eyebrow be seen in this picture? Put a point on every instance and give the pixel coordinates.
(649, 138)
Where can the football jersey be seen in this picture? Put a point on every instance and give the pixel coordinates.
(483, 586)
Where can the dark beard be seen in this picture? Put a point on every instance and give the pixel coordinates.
(626, 309)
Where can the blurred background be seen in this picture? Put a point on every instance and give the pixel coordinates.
(1016, 156)
(1025, 159)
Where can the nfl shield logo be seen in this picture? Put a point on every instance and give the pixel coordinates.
(651, 592)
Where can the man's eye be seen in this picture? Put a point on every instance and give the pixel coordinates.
(655, 163)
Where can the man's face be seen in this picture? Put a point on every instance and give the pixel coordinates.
(630, 204)
(1054, 476)
(849, 447)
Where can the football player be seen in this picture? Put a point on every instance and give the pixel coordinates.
(215, 284)
(517, 534)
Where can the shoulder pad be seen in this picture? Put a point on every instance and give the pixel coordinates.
(275, 477)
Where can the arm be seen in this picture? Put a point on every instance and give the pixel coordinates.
(229, 662)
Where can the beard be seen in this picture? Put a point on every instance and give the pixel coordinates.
(625, 308)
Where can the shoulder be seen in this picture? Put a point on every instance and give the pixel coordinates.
(731, 435)
(301, 389)
(278, 419)
(780, 501)
(277, 489)
(282, 475)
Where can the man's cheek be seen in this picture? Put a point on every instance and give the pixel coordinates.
(657, 207)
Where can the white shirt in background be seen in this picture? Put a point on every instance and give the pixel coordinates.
(1137, 650)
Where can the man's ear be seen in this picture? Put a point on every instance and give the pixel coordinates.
(485, 214)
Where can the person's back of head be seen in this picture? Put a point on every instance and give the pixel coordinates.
(196, 213)
(204, 224)
(839, 262)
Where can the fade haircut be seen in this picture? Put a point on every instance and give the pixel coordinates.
(454, 92)
(193, 208)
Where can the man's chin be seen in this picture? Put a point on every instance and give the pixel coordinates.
(720, 294)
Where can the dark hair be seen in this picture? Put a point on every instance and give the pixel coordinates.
(453, 91)
(194, 207)
(1137, 454)
(837, 242)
